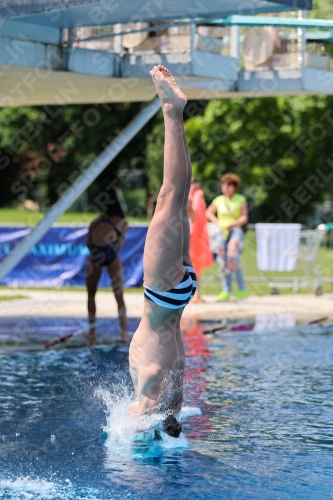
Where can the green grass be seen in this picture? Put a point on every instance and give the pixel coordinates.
(16, 216)
(325, 256)
(12, 297)
(325, 267)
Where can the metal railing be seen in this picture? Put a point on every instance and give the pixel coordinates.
(313, 269)
(269, 47)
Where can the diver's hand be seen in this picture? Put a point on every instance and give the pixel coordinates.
(133, 409)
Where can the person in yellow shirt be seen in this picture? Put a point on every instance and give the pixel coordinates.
(229, 212)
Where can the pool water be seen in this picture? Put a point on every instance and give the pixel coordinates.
(32, 332)
(265, 430)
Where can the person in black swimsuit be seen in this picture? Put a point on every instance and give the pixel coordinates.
(105, 237)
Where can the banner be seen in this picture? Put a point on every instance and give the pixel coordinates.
(59, 259)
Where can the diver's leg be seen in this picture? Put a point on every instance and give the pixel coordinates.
(115, 270)
(93, 274)
(185, 216)
(163, 256)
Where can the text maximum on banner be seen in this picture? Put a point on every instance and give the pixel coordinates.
(59, 258)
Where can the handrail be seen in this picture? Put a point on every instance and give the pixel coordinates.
(235, 20)
(286, 22)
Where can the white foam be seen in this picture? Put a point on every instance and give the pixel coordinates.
(169, 442)
(23, 488)
(189, 411)
(27, 488)
(128, 436)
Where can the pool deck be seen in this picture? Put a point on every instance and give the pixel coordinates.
(62, 303)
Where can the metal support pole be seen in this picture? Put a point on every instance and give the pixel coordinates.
(235, 41)
(299, 42)
(117, 43)
(79, 186)
(302, 15)
(192, 36)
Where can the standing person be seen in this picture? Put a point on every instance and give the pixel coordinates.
(201, 254)
(106, 236)
(229, 212)
(157, 356)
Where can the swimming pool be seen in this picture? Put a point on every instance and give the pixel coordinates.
(265, 429)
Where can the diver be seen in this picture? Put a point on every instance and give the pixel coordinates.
(157, 356)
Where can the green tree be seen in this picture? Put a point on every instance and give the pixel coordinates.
(48, 147)
(154, 155)
(271, 144)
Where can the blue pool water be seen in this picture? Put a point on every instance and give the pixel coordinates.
(32, 332)
(265, 429)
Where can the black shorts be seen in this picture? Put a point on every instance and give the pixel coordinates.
(103, 256)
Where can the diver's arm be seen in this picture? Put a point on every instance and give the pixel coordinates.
(144, 405)
(133, 409)
(147, 405)
(148, 388)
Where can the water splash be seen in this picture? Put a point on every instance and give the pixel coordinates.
(25, 488)
(136, 437)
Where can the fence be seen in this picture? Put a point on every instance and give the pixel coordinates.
(303, 276)
(46, 259)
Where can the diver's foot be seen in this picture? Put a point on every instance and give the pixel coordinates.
(172, 98)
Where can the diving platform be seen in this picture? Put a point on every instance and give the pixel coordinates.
(77, 52)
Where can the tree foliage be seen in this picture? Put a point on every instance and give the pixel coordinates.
(154, 155)
(274, 144)
(48, 147)
(280, 147)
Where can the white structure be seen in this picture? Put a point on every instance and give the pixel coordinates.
(83, 51)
